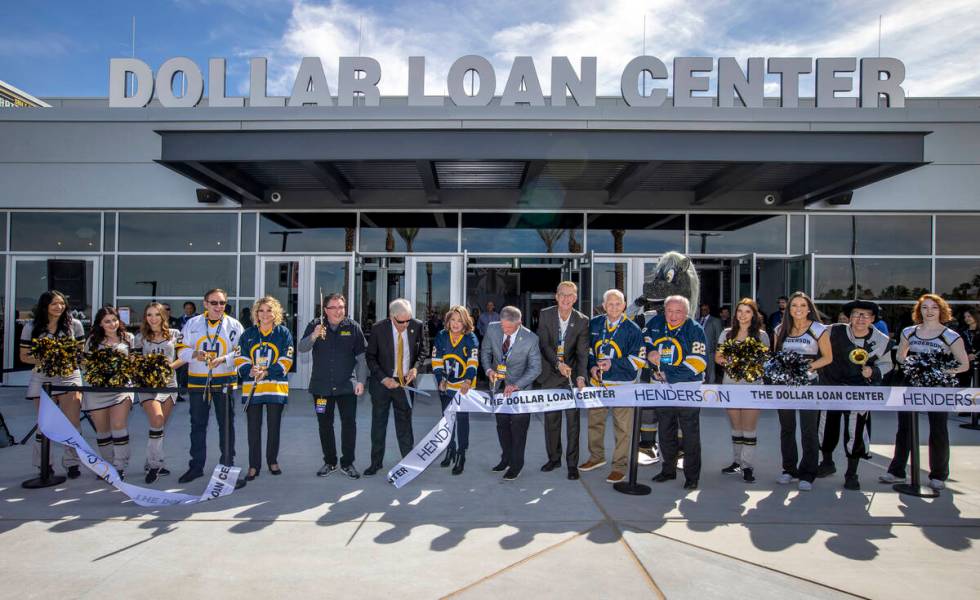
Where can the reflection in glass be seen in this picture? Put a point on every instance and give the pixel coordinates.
(409, 232)
(606, 276)
(872, 278)
(870, 234)
(957, 235)
(958, 279)
(3, 231)
(178, 232)
(381, 281)
(108, 277)
(55, 231)
(896, 316)
(248, 232)
(432, 293)
(282, 283)
(500, 285)
(109, 231)
(734, 234)
(618, 233)
(307, 232)
(176, 275)
(511, 233)
(330, 277)
(797, 234)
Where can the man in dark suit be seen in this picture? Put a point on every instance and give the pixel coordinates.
(394, 357)
(563, 336)
(511, 356)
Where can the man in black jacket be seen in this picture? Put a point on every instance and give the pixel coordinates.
(339, 374)
(563, 336)
(394, 357)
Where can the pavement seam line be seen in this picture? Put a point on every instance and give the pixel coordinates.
(629, 549)
(749, 562)
(518, 563)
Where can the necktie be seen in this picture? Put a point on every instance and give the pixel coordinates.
(506, 345)
(399, 357)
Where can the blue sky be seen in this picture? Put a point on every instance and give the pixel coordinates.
(61, 48)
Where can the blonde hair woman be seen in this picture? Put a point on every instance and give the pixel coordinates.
(264, 359)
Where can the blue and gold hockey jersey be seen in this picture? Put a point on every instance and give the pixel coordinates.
(273, 350)
(682, 349)
(622, 343)
(455, 359)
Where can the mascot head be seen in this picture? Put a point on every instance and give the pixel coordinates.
(675, 274)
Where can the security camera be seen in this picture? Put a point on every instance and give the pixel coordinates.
(769, 199)
(275, 196)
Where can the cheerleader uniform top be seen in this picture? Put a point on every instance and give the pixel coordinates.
(762, 337)
(455, 359)
(941, 343)
(166, 347)
(682, 349)
(272, 350)
(620, 342)
(806, 343)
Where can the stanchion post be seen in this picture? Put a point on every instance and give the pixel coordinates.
(914, 487)
(47, 478)
(630, 486)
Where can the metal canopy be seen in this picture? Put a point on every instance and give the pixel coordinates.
(797, 166)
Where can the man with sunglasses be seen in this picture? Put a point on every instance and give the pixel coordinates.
(339, 373)
(209, 342)
(394, 357)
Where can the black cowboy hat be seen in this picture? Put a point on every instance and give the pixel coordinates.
(862, 304)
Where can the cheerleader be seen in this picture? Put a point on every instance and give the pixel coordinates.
(747, 323)
(263, 360)
(156, 338)
(926, 336)
(110, 410)
(800, 331)
(53, 319)
(454, 364)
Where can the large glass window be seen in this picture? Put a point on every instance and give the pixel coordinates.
(3, 231)
(797, 234)
(958, 279)
(432, 293)
(518, 233)
(606, 276)
(735, 234)
(958, 234)
(307, 232)
(870, 234)
(178, 232)
(175, 276)
(109, 232)
(409, 232)
(624, 233)
(872, 278)
(248, 232)
(55, 231)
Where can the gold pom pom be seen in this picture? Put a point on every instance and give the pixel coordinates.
(56, 356)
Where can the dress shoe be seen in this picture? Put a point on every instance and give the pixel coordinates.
(448, 459)
(591, 464)
(275, 470)
(748, 476)
(662, 477)
(460, 462)
(512, 474)
(691, 484)
(190, 476)
(151, 475)
(573, 474)
(73, 472)
(252, 474)
(551, 465)
(826, 469)
(372, 470)
(501, 466)
(851, 482)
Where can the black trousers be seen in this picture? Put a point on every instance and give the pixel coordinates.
(552, 435)
(689, 422)
(512, 434)
(273, 415)
(857, 436)
(460, 439)
(938, 445)
(200, 410)
(805, 469)
(382, 401)
(831, 434)
(346, 404)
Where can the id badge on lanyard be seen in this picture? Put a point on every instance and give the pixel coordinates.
(263, 356)
(212, 344)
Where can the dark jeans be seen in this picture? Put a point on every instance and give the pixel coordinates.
(805, 469)
(200, 410)
(831, 434)
(382, 401)
(689, 421)
(552, 435)
(461, 435)
(512, 435)
(347, 405)
(938, 445)
(273, 415)
(857, 427)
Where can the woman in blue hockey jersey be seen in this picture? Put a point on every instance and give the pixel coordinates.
(454, 363)
(263, 362)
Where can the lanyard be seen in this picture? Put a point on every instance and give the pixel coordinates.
(213, 341)
(607, 335)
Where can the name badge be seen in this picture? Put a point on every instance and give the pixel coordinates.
(501, 369)
(667, 356)
(262, 361)
(321, 405)
(561, 352)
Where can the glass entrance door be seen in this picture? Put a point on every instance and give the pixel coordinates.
(434, 285)
(744, 277)
(78, 277)
(799, 274)
(379, 281)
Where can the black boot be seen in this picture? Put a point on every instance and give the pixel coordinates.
(448, 459)
(460, 462)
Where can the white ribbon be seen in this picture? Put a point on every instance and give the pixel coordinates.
(56, 427)
(682, 395)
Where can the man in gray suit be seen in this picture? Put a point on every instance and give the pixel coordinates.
(713, 327)
(512, 358)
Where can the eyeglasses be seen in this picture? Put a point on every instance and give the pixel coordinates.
(860, 316)
(400, 322)
(338, 307)
(217, 302)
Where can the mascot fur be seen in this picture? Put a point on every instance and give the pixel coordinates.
(675, 275)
